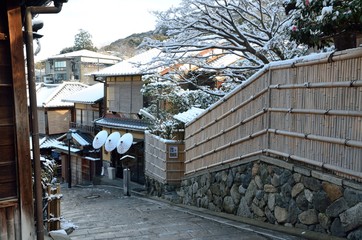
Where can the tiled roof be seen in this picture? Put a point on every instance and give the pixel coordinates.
(131, 66)
(82, 139)
(225, 60)
(52, 142)
(85, 53)
(64, 90)
(123, 123)
(89, 95)
(189, 115)
(64, 147)
(48, 142)
(43, 91)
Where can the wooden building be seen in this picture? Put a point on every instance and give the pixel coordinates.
(16, 196)
(85, 161)
(54, 114)
(16, 187)
(122, 102)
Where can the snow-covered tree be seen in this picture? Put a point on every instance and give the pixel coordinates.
(253, 29)
(319, 23)
(203, 32)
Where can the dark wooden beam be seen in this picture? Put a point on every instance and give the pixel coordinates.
(21, 119)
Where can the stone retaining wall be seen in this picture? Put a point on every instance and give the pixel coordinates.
(277, 192)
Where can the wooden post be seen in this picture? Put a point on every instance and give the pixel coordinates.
(53, 209)
(57, 207)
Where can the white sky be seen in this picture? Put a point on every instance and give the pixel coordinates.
(106, 20)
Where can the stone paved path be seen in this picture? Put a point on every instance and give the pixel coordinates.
(102, 212)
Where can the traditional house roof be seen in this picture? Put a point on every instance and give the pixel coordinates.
(82, 139)
(89, 95)
(43, 91)
(53, 97)
(85, 53)
(131, 66)
(225, 60)
(189, 115)
(48, 142)
(123, 123)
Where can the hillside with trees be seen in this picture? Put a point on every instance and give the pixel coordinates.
(129, 46)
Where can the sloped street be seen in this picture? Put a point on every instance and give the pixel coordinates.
(103, 212)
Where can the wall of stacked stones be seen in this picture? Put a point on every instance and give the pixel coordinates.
(281, 194)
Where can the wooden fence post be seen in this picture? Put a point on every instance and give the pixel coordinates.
(53, 209)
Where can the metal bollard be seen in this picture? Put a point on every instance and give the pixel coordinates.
(126, 181)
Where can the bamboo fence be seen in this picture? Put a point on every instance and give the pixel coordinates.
(164, 159)
(308, 110)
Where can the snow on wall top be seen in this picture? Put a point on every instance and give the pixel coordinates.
(189, 115)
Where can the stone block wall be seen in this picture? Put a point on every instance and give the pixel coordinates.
(281, 193)
(158, 189)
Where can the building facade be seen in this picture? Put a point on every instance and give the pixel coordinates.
(75, 66)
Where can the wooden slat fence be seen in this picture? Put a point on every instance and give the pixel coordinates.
(161, 162)
(9, 220)
(307, 110)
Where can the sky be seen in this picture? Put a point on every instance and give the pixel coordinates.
(106, 20)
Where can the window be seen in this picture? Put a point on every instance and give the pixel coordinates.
(60, 77)
(125, 97)
(86, 117)
(60, 66)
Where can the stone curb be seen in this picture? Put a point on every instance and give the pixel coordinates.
(298, 232)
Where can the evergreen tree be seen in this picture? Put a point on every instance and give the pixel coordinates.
(82, 40)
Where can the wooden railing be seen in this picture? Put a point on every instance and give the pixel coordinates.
(307, 110)
(83, 128)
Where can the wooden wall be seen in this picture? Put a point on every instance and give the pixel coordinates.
(124, 94)
(16, 195)
(309, 111)
(164, 159)
(58, 121)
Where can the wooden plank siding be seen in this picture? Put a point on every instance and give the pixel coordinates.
(16, 198)
(159, 164)
(308, 111)
(59, 119)
(124, 94)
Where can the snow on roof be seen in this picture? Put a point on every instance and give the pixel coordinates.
(62, 91)
(189, 115)
(82, 138)
(225, 60)
(43, 91)
(48, 142)
(52, 142)
(85, 53)
(89, 95)
(131, 124)
(131, 66)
